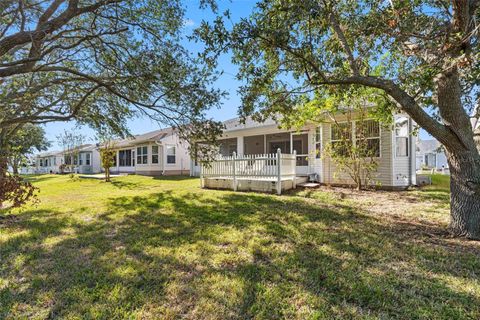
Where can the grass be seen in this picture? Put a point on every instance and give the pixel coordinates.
(163, 248)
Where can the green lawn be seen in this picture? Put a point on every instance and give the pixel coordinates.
(164, 249)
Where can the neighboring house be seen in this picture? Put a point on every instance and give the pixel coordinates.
(155, 153)
(394, 148)
(48, 162)
(85, 159)
(430, 155)
(28, 167)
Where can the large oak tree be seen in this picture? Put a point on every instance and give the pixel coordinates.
(100, 62)
(423, 55)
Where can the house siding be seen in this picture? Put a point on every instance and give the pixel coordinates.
(401, 171)
(181, 165)
(383, 175)
(182, 157)
(404, 168)
(53, 167)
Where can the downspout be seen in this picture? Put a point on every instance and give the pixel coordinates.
(413, 155)
(394, 155)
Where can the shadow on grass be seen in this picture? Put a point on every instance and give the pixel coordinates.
(39, 178)
(122, 184)
(235, 255)
(174, 178)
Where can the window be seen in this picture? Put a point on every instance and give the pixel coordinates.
(341, 137)
(55, 161)
(142, 155)
(155, 154)
(125, 158)
(318, 142)
(41, 162)
(80, 159)
(171, 154)
(87, 159)
(368, 137)
(75, 160)
(401, 136)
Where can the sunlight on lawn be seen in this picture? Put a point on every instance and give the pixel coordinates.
(164, 248)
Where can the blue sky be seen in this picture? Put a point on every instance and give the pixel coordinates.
(227, 82)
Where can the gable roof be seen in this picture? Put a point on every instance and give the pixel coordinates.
(235, 124)
(49, 154)
(145, 137)
(428, 146)
(86, 147)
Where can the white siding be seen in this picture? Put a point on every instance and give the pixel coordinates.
(96, 161)
(401, 171)
(182, 157)
(404, 167)
(383, 176)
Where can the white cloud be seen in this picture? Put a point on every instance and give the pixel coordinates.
(188, 23)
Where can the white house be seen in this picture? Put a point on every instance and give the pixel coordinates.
(48, 162)
(85, 159)
(394, 146)
(430, 155)
(155, 153)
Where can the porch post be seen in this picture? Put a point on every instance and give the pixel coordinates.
(291, 142)
(279, 174)
(294, 164)
(234, 157)
(240, 145)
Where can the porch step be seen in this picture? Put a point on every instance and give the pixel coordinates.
(308, 185)
(301, 179)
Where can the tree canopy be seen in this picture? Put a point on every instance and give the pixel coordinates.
(99, 62)
(287, 50)
(29, 139)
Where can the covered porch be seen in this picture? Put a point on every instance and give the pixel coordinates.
(268, 141)
(274, 172)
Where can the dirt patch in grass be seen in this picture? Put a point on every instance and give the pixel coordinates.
(414, 214)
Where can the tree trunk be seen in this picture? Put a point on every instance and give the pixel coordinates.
(463, 158)
(465, 194)
(4, 152)
(3, 175)
(15, 167)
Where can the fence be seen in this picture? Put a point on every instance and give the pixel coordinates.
(271, 167)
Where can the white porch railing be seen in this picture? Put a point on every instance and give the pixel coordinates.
(270, 167)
